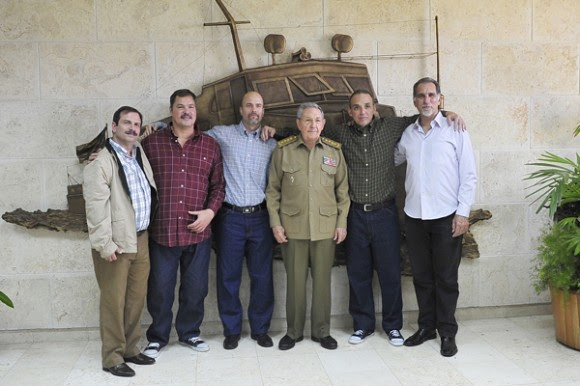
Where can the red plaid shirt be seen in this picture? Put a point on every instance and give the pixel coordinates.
(188, 178)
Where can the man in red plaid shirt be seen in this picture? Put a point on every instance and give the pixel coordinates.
(187, 166)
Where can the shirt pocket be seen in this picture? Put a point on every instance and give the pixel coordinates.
(327, 175)
(289, 216)
(293, 176)
(328, 216)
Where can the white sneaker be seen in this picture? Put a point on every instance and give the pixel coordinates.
(152, 350)
(395, 338)
(359, 336)
(196, 344)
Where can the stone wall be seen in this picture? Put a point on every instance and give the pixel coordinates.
(510, 68)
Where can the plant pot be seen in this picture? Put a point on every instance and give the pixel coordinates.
(566, 317)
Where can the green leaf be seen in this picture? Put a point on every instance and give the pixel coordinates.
(6, 300)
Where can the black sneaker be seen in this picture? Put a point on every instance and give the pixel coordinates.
(395, 338)
(196, 344)
(359, 336)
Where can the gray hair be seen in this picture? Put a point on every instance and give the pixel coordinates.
(426, 80)
(308, 105)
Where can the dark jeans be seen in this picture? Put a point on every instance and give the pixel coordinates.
(435, 258)
(193, 263)
(249, 235)
(373, 243)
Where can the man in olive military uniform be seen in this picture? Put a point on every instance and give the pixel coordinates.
(308, 202)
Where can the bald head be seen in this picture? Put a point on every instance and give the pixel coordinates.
(252, 110)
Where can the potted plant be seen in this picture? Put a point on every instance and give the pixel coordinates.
(6, 300)
(557, 187)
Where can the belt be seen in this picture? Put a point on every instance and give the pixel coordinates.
(371, 207)
(245, 209)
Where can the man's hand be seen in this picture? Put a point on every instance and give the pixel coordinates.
(151, 128)
(456, 121)
(92, 157)
(113, 257)
(267, 133)
(279, 234)
(203, 219)
(460, 225)
(339, 235)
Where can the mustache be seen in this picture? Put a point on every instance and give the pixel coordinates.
(132, 132)
(186, 115)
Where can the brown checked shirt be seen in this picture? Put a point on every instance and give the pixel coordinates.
(188, 178)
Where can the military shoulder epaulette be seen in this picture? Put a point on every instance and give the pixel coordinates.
(287, 140)
(330, 142)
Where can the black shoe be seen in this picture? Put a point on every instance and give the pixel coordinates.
(448, 346)
(328, 342)
(286, 343)
(231, 341)
(140, 359)
(420, 336)
(263, 340)
(121, 370)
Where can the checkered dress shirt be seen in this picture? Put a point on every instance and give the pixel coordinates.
(246, 159)
(369, 154)
(139, 188)
(188, 178)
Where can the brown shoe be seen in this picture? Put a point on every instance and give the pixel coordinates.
(121, 370)
(140, 359)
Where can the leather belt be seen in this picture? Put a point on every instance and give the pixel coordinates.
(375, 206)
(245, 209)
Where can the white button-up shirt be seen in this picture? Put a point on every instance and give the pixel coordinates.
(441, 174)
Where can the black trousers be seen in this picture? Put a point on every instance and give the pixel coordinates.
(435, 257)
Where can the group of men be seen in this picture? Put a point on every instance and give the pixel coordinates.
(303, 192)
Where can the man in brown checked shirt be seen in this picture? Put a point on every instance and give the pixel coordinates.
(187, 166)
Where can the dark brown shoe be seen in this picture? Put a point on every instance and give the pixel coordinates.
(140, 359)
(448, 346)
(328, 342)
(121, 370)
(420, 336)
(263, 340)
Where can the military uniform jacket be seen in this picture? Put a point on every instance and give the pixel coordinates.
(307, 191)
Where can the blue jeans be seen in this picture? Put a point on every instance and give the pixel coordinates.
(249, 235)
(373, 243)
(193, 262)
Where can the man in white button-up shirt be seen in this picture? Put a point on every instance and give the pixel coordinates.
(440, 187)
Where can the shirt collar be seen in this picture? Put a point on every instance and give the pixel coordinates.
(365, 129)
(438, 121)
(301, 142)
(120, 149)
(196, 132)
(242, 130)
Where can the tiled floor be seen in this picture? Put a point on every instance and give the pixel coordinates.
(510, 351)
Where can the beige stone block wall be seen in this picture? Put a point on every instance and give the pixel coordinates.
(89, 70)
(19, 71)
(38, 20)
(530, 69)
(510, 68)
(556, 20)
